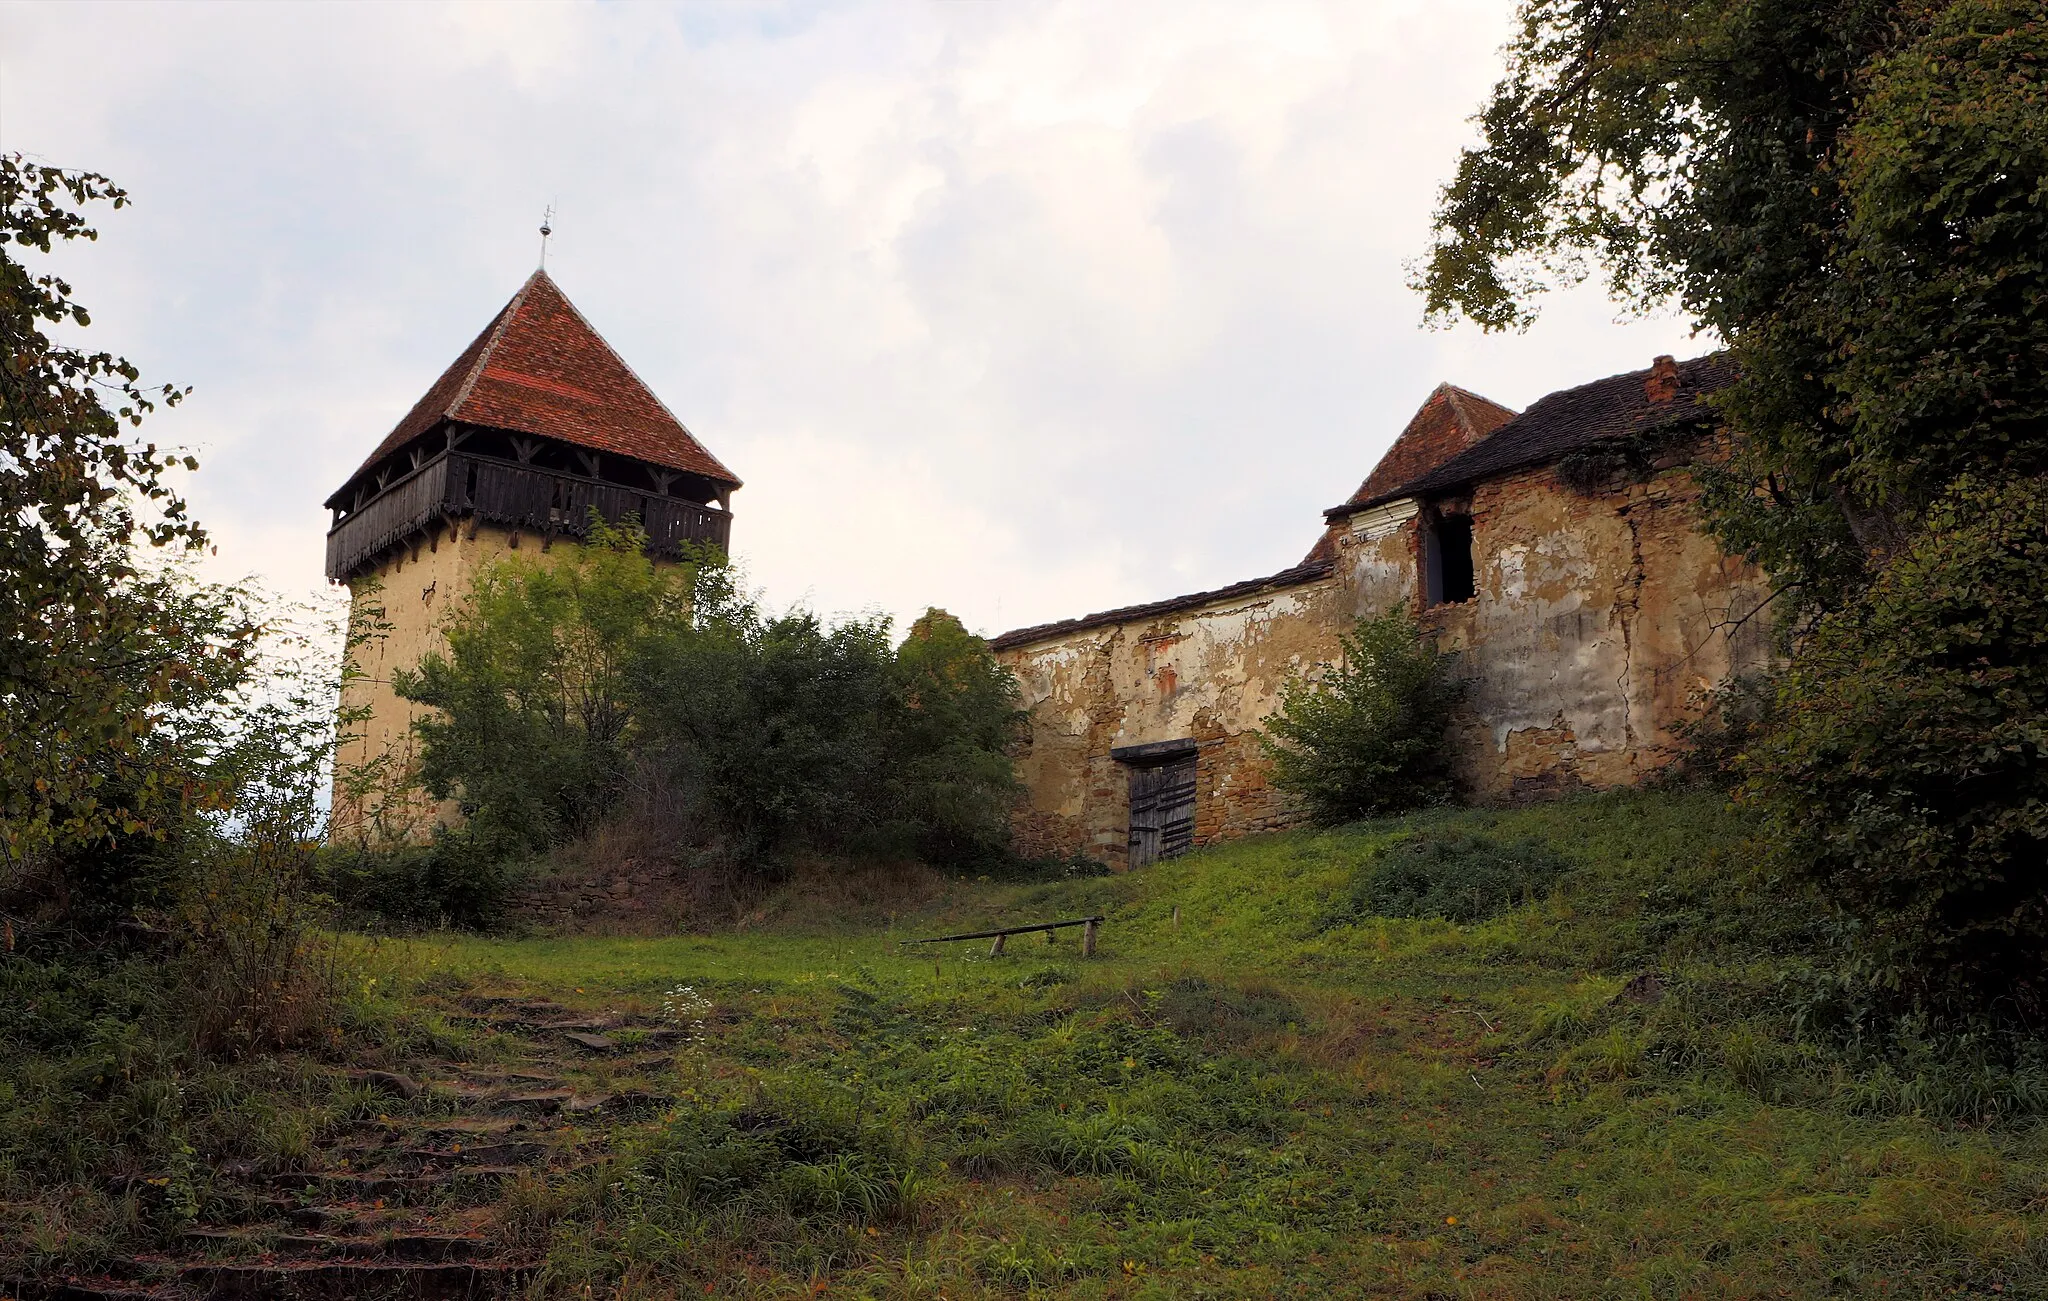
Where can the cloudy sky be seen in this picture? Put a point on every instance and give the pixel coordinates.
(1021, 309)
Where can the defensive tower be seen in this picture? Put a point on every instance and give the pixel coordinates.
(536, 424)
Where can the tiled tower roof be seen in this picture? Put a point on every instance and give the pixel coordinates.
(539, 368)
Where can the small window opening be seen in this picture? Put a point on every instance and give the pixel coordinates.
(1447, 561)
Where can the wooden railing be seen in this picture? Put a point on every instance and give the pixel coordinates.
(514, 496)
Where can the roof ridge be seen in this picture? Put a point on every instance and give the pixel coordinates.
(506, 315)
(1460, 398)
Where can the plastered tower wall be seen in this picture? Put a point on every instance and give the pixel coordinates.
(1211, 672)
(415, 589)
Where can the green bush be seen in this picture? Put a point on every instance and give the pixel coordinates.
(598, 685)
(1904, 760)
(1368, 738)
(1454, 875)
(460, 880)
(533, 717)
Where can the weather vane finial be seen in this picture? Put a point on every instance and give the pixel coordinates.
(547, 228)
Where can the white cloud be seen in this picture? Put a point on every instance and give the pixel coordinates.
(1023, 309)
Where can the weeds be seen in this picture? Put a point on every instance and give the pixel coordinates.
(1601, 1091)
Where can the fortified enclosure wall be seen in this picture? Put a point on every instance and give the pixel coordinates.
(1210, 672)
(1601, 623)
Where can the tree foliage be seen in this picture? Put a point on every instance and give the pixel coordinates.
(572, 683)
(1368, 738)
(1905, 760)
(1852, 193)
(106, 662)
(535, 706)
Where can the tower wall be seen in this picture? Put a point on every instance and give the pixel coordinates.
(416, 588)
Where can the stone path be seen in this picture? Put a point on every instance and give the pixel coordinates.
(403, 1204)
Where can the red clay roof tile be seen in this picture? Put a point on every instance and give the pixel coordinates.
(1563, 422)
(539, 368)
(1447, 423)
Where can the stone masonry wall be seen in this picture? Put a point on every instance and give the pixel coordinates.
(1210, 673)
(1601, 622)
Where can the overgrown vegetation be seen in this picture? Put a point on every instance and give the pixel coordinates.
(1246, 1096)
(163, 971)
(600, 685)
(1452, 875)
(1851, 194)
(1905, 762)
(1367, 736)
(104, 660)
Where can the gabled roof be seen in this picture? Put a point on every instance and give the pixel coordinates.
(539, 368)
(1449, 421)
(1619, 406)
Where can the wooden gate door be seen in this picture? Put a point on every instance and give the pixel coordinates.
(1162, 809)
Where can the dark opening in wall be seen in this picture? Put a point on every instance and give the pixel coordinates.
(1447, 560)
(1162, 798)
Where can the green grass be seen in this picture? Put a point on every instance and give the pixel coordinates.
(1275, 1095)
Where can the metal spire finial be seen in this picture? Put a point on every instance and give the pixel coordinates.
(547, 228)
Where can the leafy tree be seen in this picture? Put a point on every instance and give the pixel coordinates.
(533, 703)
(103, 660)
(776, 724)
(1851, 192)
(959, 715)
(1368, 738)
(1906, 757)
(571, 684)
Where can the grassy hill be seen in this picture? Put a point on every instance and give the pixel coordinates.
(1259, 1087)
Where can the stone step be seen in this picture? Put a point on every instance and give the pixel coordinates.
(480, 1126)
(390, 1186)
(516, 1152)
(540, 1102)
(390, 1082)
(398, 1246)
(627, 1102)
(465, 1073)
(351, 1280)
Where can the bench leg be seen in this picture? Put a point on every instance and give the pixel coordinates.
(1088, 940)
(996, 950)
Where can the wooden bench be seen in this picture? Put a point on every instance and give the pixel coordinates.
(1088, 925)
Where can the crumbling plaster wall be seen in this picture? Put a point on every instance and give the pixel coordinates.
(1212, 673)
(1601, 622)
